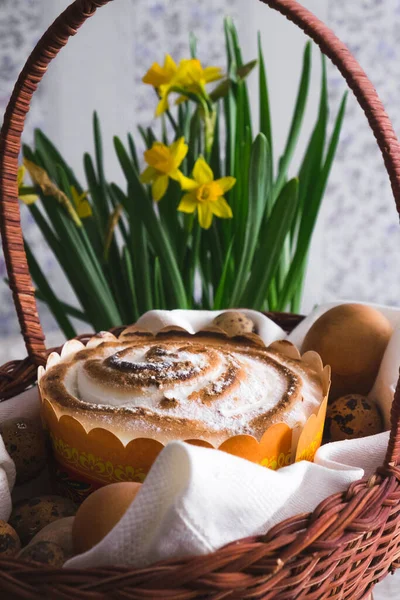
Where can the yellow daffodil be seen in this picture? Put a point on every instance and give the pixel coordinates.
(164, 162)
(162, 79)
(193, 77)
(158, 75)
(81, 202)
(206, 194)
(26, 198)
(189, 75)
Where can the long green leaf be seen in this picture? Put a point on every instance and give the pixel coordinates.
(267, 259)
(80, 244)
(153, 226)
(230, 105)
(145, 137)
(47, 148)
(219, 295)
(259, 189)
(313, 157)
(230, 52)
(242, 148)
(80, 232)
(264, 103)
(111, 272)
(130, 283)
(47, 293)
(132, 149)
(159, 296)
(137, 242)
(64, 258)
(239, 63)
(101, 190)
(193, 45)
(68, 309)
(75, 262)
(142, 262)
(215, 160)
(169, 215)
(194, 261)
(297, 120)
(308, 175)
(94, 190)
(311, 210)
(117, 197)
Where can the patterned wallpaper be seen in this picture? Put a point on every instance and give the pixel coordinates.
(361, 243)
(20, 26)
(362, 236)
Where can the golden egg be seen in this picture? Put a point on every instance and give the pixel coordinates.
(234, 323)
(100, 512)
(58, 532)
(46, 553)
(352, 339)
(30, 516)
(25, 442)
(352, 416)
(9, 541)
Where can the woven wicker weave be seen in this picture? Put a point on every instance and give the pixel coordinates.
(351, 541)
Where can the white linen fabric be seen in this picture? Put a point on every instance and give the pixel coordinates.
(7, 480)
(196, 500)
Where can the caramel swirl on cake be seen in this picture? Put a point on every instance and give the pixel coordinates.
(175, 385)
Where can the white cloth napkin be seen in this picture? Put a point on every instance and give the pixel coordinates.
(7, 480)
(196, 500)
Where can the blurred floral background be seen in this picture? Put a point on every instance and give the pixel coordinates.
(356, 248)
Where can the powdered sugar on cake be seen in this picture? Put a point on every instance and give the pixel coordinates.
(219, 387)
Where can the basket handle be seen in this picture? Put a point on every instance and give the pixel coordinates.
(381, 126)
(56, 37)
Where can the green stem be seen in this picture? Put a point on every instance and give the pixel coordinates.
(272, 296)
(210, 117)
(194, 261)
(173, 122)
(27, 191)
(188, 228)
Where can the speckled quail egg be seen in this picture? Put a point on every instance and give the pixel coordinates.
(234, 323)
(352, 416)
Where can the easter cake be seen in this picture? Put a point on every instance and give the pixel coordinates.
(175, 385)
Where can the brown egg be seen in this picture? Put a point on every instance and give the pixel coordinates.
(30, 516)
(100, 512)
(9, 541)
(24, 440)
(46, 553)
(59, 532)
(352, 416)
(234, 323)
(352, 339)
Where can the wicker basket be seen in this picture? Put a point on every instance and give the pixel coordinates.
(349, 543)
